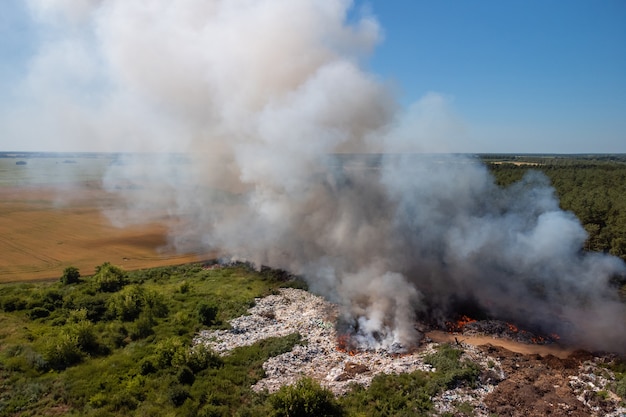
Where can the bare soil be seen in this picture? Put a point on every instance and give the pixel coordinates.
(511, 345)
(539, 385)
(45, 228)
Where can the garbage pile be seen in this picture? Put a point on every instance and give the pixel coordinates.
(579, 385)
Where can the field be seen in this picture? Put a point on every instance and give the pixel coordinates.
(51, 217)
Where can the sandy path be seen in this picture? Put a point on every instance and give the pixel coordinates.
(555, 350)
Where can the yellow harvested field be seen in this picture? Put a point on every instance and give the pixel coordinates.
(45, 228)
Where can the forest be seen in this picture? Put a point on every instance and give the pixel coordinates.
(592, 187)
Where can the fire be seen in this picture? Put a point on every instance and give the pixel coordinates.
(459, 324)
(344, 344)
(512, 327)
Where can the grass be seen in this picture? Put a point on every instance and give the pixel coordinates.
(80, 349)
(84, 349)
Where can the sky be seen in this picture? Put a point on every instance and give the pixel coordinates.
(515, 76)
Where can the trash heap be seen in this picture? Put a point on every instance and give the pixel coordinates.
(297, 311)
(577, 386)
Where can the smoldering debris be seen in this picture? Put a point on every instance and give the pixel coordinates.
(552, 383)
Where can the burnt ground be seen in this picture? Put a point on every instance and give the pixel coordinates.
(538, 385)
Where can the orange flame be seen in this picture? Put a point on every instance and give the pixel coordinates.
(343, 345)
(512, 327)
(459, 324)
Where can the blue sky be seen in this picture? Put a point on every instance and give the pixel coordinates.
(521, 76)
(524, 76)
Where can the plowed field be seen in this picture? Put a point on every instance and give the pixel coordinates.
(47, 225)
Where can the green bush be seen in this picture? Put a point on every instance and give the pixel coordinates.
(185, 376)
(305, 398)
(450, 370)
(147, 367)
(170, 352)
(71, 275)
(178, 394)
(109, 278)
(620, 388)
(95, 305)
(207, 313)
(14, 303)
(201, 357)
(38, 312)
(62, 351)
(142, 327)
(393, 395)
(85, 336)
(130, 302)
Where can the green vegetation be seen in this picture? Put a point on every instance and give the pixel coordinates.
(592, 187)
(304, 399)
(120, 343)
(71, 275)
(410, 394)
(619, 368)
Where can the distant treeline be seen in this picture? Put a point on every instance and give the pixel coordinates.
(551, 159)
(593, 187)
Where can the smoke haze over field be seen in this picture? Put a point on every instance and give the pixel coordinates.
(258, 96)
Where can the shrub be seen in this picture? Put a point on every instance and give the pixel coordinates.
(201, 357)
(132, 301)
(109, 278)
(207, 313)
(404, 394)
(85, 336)
(305, 398)
(178, 394)
(71, 275)
(170, 352)
(142, 327)
(14, 303)
(94, 305)
(147, 367)
(38, 312)
(62, 351)
(620, 387)
(450, 370)
(185, 376)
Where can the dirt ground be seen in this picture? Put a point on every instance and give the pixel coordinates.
(45, 228)
(539, 385)
(511, 345)
(540, 380)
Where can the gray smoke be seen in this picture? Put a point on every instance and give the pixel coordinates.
(248, 108)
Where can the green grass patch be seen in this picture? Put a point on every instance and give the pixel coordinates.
(119, 343)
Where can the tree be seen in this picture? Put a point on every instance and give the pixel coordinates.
(109, 278)
(71, 275)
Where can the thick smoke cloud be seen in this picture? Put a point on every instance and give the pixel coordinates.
(260, 100)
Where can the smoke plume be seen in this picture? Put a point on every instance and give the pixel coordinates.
(249, 109)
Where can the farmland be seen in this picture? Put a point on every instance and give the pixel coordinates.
(53, 215)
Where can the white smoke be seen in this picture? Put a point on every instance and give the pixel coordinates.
(250, 106)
